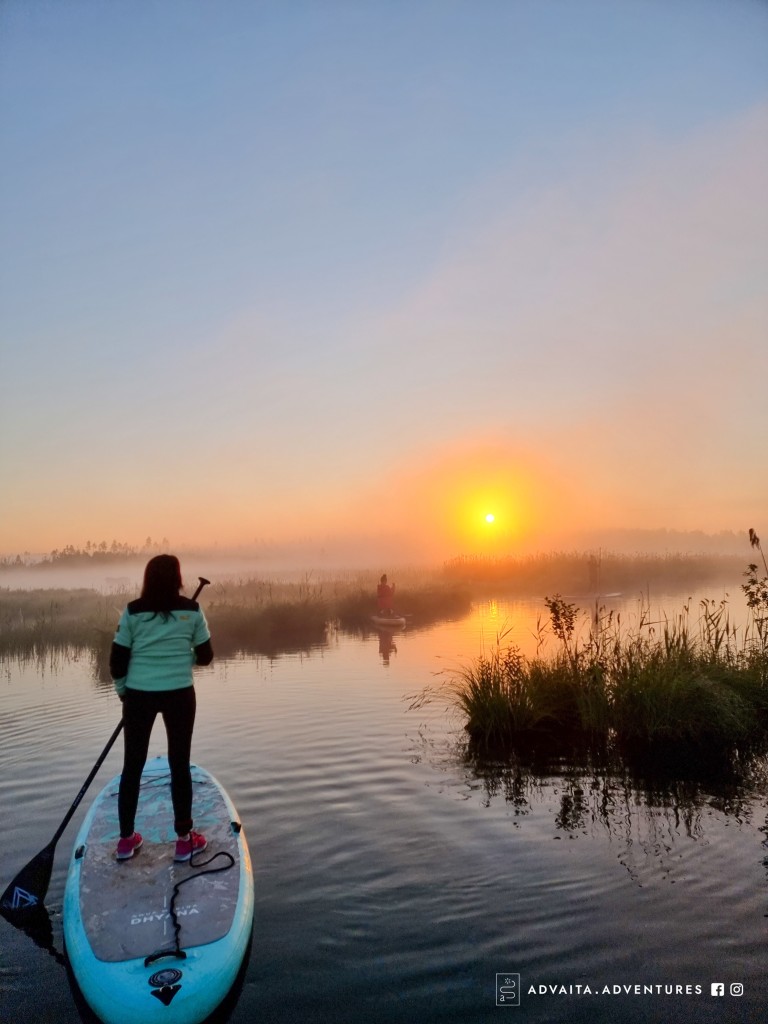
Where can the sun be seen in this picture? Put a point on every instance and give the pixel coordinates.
(490, 518)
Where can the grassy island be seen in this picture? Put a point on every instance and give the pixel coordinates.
(660, 687)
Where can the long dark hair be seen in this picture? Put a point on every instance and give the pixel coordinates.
(162, 583)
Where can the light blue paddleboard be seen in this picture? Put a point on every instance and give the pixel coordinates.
(117, 913)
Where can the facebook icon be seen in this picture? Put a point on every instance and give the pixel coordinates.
(717, 988)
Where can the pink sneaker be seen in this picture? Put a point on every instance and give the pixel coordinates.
(127, 847)
(194, 843)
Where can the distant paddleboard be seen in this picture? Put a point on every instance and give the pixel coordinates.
(388, 621)
(122, 945)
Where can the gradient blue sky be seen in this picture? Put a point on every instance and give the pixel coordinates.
(363, 269)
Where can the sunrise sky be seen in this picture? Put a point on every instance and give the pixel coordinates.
(373, 270)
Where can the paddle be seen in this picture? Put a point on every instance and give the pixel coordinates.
(26, 893)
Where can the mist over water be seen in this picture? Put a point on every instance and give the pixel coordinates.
(333, 557)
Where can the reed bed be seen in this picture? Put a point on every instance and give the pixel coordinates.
(246, 616)
(421, 605)
(675, 683)
(282, 628)
(581, 572)
(35, 624)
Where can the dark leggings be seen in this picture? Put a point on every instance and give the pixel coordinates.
(140, 708)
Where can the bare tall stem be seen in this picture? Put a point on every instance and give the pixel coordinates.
(754, 540)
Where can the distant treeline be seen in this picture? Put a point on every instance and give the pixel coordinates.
(92, 554)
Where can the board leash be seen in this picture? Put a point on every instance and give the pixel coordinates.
(177, 951)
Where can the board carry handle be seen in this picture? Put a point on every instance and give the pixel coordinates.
(177, 954)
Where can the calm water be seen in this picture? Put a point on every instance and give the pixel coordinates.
(394, 882)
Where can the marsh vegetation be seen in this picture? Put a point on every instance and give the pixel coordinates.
(246, 616)
(591, 572)
(36, 624)
(690, 682)
(683, 688)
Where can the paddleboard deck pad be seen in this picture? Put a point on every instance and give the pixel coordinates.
(119, 929)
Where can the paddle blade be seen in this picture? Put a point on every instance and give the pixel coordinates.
(27, 891)
(35, 923)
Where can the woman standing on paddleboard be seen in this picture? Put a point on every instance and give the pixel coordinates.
(159, 638)
(385, 593)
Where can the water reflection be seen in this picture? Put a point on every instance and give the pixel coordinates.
(646, 808)
(37, 925)
(679, 778)
(387, 646)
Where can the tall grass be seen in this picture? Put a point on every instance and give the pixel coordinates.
(579, 572)
(246, 616)
(36, 624)
(266, 617)
(664, 683)
(420, 604)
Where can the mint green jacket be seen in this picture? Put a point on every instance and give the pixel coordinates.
(157, 650)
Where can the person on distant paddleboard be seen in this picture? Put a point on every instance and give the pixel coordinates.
(159, 638)
(385, 593)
